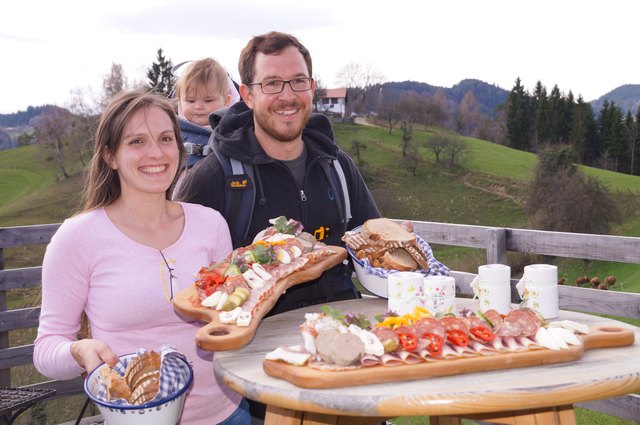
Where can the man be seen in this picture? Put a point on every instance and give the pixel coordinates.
(289, 149)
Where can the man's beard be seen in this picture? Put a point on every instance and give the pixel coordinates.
(269, 123)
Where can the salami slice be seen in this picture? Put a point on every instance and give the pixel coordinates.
(430, 325)
(526, 320)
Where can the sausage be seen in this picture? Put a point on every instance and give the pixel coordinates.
(450, 323)
(527, 320)
(429, 325)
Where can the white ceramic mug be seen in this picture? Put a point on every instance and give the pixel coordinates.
(492, 286)
(439, 294)
(404, 292)
(539, 288)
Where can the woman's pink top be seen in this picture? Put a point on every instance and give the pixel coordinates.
(91, 265)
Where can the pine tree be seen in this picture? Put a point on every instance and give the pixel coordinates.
(161, 79)
(542, 120)
(519, 120)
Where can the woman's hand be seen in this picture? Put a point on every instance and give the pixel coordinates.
(90, 353)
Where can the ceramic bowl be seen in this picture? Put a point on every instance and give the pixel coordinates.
(165, 411)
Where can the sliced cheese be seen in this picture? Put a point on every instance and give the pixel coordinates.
(565, 335)
(222, 300)
(294, 358)
(212, 300)
(244, 318)
(571, 325)
(546, 339)
(230, 317)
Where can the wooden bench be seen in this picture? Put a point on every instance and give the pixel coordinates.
(495, 241)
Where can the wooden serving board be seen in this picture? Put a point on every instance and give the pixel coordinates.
(217, 336)
(306, 377)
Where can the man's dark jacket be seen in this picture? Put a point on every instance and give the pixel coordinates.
(313, 204)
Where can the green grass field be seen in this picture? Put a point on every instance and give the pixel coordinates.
(488, 190)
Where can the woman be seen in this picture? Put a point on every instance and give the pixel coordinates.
(123, 257)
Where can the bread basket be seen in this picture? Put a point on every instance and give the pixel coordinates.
(374, 279)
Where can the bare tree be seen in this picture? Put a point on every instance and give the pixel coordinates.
(52, 130)
(84, 120)
(455, 151)
(388, 111)
(437, 109)
(468, 117)
(437, 143)
(112, 84)
(357, 78)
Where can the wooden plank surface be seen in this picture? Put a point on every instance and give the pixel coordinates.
(597, 374)
(217, 336)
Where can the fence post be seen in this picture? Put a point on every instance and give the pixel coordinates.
(496, 246)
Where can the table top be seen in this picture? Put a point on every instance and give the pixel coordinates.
(598, 374)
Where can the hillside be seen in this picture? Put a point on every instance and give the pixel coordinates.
(490, 190)
(626, 97)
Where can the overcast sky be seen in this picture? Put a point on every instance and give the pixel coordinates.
(49, 49)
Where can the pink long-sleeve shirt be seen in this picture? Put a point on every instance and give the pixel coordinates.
(91, 265)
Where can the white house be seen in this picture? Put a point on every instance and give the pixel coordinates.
(332, 101)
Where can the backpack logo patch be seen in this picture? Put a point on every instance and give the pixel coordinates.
(238, 182)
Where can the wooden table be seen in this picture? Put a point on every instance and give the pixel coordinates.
(531, 395)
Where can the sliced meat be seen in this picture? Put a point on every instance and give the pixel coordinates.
(527, 319)
(430, 325)
(450, 323)
(343, 349)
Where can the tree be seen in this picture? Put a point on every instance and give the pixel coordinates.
(437, 111)
(542, 125)
(83, 122)
(562, 200)
(437, 143)
(358, 78)
(518, 118)
(582, 133)
(610, 130)
(632, 133)
(455, 152)
(160, 78)
(52, 129)
(468, 117)
(112, 84)
(388, 110)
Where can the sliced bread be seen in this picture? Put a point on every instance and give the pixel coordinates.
(388, 233)
(399, 259)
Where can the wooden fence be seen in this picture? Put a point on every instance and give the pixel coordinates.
(495, 241)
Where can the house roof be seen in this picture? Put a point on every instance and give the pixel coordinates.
(339, 93)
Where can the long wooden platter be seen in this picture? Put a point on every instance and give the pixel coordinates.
(216, 336)
(306, 377)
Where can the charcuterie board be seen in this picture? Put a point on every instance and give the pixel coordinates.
(217, 336)
(306, 377)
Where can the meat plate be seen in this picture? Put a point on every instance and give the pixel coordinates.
(218, 336)
(306, 377)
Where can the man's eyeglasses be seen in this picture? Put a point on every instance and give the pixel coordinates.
(168, 293)
(276, 86)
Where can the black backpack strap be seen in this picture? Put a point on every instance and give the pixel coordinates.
(240, 196)
(342, 196)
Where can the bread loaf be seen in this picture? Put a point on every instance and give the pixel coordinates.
(387, 244)
(388, 233)
(399, 259)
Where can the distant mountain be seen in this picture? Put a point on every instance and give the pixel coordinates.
(489, 96)
(21, 118)
(626, 97)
